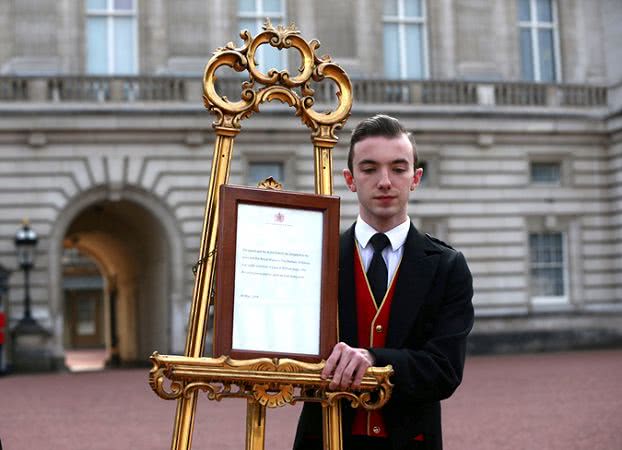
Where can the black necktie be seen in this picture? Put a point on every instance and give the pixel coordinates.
(377, 273)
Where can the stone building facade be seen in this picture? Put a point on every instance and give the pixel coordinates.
(106, 148)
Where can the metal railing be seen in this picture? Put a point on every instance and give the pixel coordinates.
(128, 89)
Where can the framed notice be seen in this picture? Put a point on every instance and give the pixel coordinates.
(276, 275)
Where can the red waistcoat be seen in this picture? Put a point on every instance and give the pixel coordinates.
(372, 323)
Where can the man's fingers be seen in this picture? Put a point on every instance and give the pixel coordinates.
(332, 361)
(360, 373)
(361, 363)
(348, 373)
(338, 375)
(346, 366)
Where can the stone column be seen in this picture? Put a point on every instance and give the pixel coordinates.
(441, 46)
(222, 24)
(7, 35)
(303, 13)
(152, 37)
(369, 37)
(71, 36)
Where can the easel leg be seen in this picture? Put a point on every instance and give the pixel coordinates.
(184, 422)
(331, 417)
(204, 282)
(255, 425)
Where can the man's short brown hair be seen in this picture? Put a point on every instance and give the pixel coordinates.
(379, 125)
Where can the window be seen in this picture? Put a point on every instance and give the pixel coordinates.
(251, 15)
(405, 42)
(424, 178)
(111, 37)
(547, 267)
(430, 164)
(259, 171)
(538, 40)
(435, 226)
(545, 173)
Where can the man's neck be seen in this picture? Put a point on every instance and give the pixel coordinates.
(384, 226)
(380, 229)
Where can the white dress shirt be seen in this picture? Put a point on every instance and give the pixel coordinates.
(392, 254)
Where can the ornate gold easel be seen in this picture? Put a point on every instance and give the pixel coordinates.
(262, 382)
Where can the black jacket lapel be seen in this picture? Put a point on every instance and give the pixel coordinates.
(416, 272)
(347, 302)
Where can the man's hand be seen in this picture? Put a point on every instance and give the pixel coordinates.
(346, 366)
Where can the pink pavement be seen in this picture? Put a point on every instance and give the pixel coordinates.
(543, 401)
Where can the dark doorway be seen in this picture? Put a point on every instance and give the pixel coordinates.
(85, 310)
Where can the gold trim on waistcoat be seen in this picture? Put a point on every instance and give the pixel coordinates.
(378, 310)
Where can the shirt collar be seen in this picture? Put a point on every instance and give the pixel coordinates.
(397, 236)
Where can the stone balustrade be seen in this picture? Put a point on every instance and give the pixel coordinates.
(128, 89)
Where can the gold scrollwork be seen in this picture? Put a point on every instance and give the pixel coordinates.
(157, 379)
(270, 183)
(270, 382)
(273, 398)
(278, 85)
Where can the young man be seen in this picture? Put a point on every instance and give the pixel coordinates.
(404, 300)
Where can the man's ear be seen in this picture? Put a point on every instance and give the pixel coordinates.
(416, 178)
(349, 178)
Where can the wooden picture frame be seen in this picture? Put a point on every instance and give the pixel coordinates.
(277, 274)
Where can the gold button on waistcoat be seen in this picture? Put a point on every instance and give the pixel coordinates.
(376, 429)
(379, 329)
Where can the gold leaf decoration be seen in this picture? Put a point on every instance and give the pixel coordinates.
(271, 382)
(279, 84)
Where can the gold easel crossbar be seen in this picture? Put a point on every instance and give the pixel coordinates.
(270, 382)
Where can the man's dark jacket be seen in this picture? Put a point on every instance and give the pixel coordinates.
(431, 316)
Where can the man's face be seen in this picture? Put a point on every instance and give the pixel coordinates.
(383, 176)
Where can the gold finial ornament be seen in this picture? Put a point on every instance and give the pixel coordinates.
(270, 183)
(278, 85)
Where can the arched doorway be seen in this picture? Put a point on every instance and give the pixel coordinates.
(128, 313)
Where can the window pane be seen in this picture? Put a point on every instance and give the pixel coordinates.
(547, 58)
(523, 10)
(269, 57)
(124, 5)
(424, 178)
(533, 247)
(546, 172)
(414, 52)
(547, 282)
(545, 11)
(547, 264)
(412, 8)
(557, 243)
(250, 25)
(86, 317)
(96, 45)
(391, 51)
(272, 6)
(527, 72)
(124, 60)
(96, 4)
(247, 6)
(259, 171)
(390, 7)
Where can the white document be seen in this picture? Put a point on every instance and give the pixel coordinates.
(278, 268)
